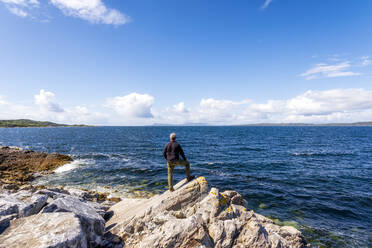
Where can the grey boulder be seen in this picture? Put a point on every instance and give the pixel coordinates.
(92, 222)
(20, 204)
(47, 230)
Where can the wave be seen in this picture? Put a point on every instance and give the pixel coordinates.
(256, 149)
(70, 166)
(321, 154)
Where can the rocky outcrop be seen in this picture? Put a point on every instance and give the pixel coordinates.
(46, 230)
(38, 218)
(17, 167)
(196, 216)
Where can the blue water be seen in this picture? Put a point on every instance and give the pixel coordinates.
(318, 179)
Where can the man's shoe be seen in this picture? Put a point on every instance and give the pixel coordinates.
(190, 178)
(171, 189)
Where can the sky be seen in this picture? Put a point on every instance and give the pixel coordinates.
(130, 62)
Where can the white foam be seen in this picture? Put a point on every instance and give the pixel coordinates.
(70, 166)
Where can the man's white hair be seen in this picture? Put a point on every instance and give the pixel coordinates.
(172, 136)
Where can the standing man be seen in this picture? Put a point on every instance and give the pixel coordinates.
(171, 153)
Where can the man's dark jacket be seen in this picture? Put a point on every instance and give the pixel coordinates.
(172, 150)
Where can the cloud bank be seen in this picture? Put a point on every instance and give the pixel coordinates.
(312, 106)
(336, 105)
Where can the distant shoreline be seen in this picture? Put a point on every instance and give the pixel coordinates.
(24, 123)
(31, 123)
(47, 126)
(355, 124)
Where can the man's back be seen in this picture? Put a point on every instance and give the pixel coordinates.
(172, 150)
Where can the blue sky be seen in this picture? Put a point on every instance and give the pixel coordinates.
(130, 62)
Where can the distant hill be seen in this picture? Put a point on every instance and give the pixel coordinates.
(31, 123)
(360, 124)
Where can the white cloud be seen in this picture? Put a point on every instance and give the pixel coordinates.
(330, 101)
(266, 4)
(45, 109)
(9, 110)
(2, 100)
(45, 99)
(20, 7)
(323, 70)
(316, 106)
(94, 11)
(180, 108)
(17, 11)
(219, 111)
(219, 108)
(210, 110)
(21, 2)
(132, 105)
(81, 115)
(336, 105)
(365, 60)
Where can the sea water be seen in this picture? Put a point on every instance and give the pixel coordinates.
(318, 179)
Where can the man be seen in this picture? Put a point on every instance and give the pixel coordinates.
(171, 153)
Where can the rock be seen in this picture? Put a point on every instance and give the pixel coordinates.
(55, 230)
(22, 203)
(92, 222)
(9, 205)
(196, 216)
(54, 194)
(78, 193)
(33, 202)
(18, 166)
(114, 199)
(99, 208)
(5, 221)
(93, 196)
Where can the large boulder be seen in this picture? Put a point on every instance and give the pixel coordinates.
(33, 203)
(20, 204)
(47, 230)
(92, 222)
(76, 194)
(196, 216)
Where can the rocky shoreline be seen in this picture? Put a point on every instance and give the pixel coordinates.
(194, 215)
(18, 167)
